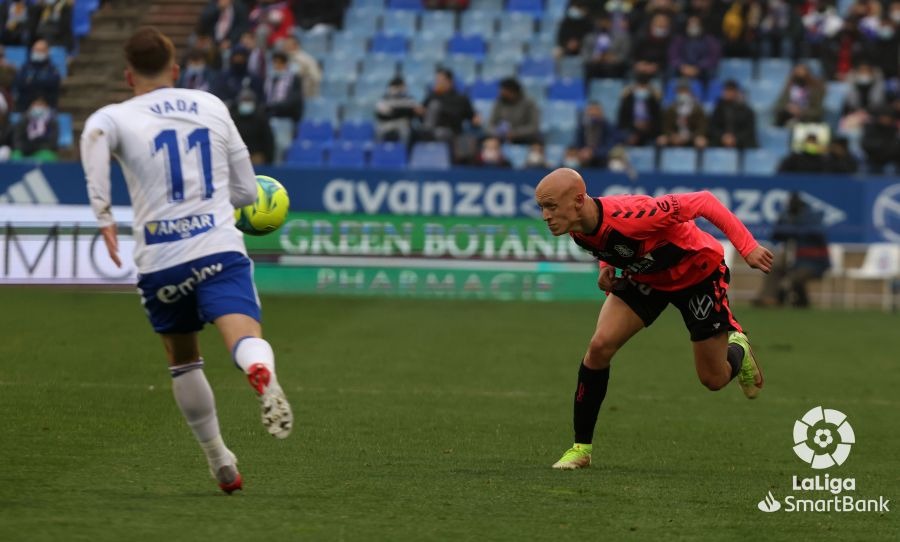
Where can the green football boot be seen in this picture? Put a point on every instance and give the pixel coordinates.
(576, 457)
(750, 378)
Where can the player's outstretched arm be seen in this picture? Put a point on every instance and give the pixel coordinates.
(95, 158)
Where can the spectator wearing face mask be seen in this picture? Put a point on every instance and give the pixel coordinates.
(879, 140)
(38, 77)
(196, 74)
(273, 18)
(515, 118)
(809, 158)
(304, 65)
(395, 111)
(696, 54)
(54, 23)
(865, 89)
(595, 137)
(536, 158)
(640, 114)
(253, 125)
(284, 102)
(606, 50)
(684, 122)
(801, 99)
(37, 133)
(572, 30)
(652, 50)
(236, 78)
(491, 154)
(204, 42)
(571, 158)
(733, 122)
(15, 22)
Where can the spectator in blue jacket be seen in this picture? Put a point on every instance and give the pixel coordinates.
(696, 54)
(196, 74)
(237, 78)
(38, 77)
(803, 255)
(37, 133)
(595, 137)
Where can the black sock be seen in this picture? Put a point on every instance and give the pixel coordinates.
(735, 356)
(588, 397)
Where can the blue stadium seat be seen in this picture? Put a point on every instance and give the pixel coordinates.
(814, 65)
(483, 108)
(335, 89)
(774, 138)
(16, 55)
(66, 137)
(418, 69)
(316, 130)
(347, 154)
(484, 90)
(370, 88)
(415, 5)
(428, 47)
(536, 89)
(388, 44)
(642, 159)
(402, 23)
(316, 43)
(478, 22)
(774, 69)
(561, 114)
(835, 93)
(472, 45)
(509, 47)
(553, 154)
(360, 109)
(570, 67)
(516, 154)
(606, 89)
(389, 155)
(439, 23)
(542, 68)
(672, 89)
(380, 63)
(678, 160)
(739, 69)
(518, 24)
(430, 156)
(379, 4)
(719, 161)
(535, 8)
(340, 68)
(761, 96)
(567, 90)
(761, 161)
(356, 130)
(713, 92)
(362, 21)
(555, 135)
(81, 19)
(321, 109)
(496, 68)
(348, 43)
(464, 69)
(305, 153)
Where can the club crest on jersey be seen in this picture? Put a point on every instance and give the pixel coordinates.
(176, 229)
(624, 251)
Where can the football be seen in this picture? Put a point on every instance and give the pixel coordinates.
(268, 212)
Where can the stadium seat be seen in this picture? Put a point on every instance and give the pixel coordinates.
(835, 93)
(570, 67)
(336, 90)
(553, 154)
(761, 96)
(305, 153)
(815, 66)
(713, 92)
(321, 109)
(430, 156)
(389, 155)
(380, 63)
(477, 22)
(606, 89)
(516, 154)
(388, 44)
(509, 48)
(642, 159)
(348, 43)
(81, 19)
(317, 43)
(536, 89)
(359, 109)
(347, 154)
(16, 55)
(761, 162)
(678, 160)
(439, 23)
(567, 90)
(483, 108)
(66, 137)
(557, 135)
(471, 45)
(719, 161)
(496, 68)
(542, 68)
(356, 130)
(672, 89)
(414, 68)
(774, 69)
(343, 68)
(415, 5)
(562, 114)
(535, 8)
(363, 22)
(739, 69)
(774, 138)
(463, 67)
(316, 130)
(401, 23)
(517, 24)
(484, 90)
(428, 47)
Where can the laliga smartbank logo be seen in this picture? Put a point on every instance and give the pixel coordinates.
(823, 438)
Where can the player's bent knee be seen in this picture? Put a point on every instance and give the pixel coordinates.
(600, 353)
(713, 382)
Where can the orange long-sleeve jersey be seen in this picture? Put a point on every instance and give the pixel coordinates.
(656, 242)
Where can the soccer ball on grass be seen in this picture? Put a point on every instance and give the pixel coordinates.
(268, 212)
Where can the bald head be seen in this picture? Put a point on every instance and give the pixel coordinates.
(561, 196)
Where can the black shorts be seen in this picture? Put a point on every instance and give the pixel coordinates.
(704, 306)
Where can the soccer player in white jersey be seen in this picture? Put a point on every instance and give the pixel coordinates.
(186, 168)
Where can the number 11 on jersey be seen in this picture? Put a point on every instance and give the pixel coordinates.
(168, 140)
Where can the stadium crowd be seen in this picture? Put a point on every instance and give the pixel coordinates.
(654, 73)
(29, 93)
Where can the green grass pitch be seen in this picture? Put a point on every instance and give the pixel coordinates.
(431, 420)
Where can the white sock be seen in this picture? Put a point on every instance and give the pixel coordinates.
(251, 350)
(198, 405)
